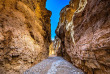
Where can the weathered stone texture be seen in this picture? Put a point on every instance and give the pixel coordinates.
(24, 34)
(84, 31)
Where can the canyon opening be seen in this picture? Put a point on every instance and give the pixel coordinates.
(54, 36)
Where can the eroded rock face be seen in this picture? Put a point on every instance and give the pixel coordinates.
(24, 34)
(84, 31)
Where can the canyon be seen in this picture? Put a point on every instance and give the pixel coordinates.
(82, 37)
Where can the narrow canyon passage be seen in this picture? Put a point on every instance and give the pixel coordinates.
(54, 65)
(82, 37)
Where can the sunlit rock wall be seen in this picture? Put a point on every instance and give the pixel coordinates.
(51, 49)
(84, 31)
(24, 34)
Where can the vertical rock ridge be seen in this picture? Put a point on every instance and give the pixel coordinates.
(24, 34)
(83, 35)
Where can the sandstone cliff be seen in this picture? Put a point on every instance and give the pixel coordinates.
(83, 35)
(24, 34)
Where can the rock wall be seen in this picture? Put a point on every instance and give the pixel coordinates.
(83, 35)
(24, 34)
(51, 49)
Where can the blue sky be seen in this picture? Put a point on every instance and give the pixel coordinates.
(55, 7)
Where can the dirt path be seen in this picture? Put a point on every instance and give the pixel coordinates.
(54, 65)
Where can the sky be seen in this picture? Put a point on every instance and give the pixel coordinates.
(55, 7)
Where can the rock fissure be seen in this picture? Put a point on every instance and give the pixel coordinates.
(82, 38)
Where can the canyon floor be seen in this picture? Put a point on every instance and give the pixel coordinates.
(54, 65)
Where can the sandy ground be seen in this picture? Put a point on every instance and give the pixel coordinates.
(54, 65)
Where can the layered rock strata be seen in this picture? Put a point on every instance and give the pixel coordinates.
(84, 35)
(24, 34)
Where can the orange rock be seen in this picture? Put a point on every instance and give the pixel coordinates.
(23, 38)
